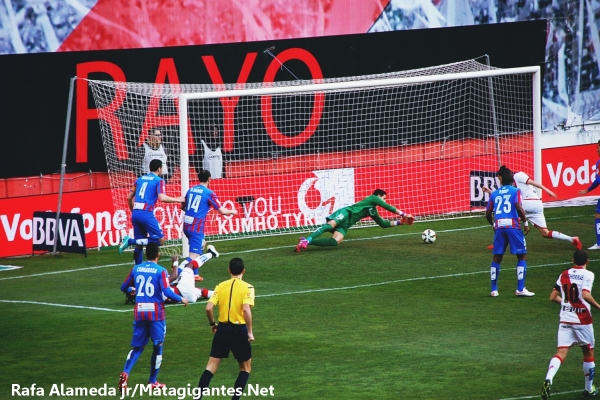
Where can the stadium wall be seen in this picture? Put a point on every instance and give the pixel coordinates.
(565, 171)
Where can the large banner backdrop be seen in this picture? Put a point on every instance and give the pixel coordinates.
(37, 85)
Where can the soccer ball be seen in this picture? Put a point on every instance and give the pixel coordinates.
(428, 236)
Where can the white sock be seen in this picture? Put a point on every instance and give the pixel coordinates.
(141, 242)
(589, 369)
(553, 368)
(561, 236)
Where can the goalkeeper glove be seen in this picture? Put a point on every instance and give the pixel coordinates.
(408, 220)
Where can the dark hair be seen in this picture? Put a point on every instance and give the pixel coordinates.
(155, 165)
(580, 258)
(152, 251)
(379, 192)
(236, 266)
(204, 175)
(506, 175)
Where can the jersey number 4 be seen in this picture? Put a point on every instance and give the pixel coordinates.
(146, 284)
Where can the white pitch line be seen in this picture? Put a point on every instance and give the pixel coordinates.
(537, 396)
(308, 291)
(59, 305)
(234, 252)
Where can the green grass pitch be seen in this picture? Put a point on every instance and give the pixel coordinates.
(382, 316)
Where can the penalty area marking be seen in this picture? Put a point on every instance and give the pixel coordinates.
(537, 396)
(308, 291)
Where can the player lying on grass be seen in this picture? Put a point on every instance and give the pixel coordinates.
(182, 279)
(343, 219)
(534, 209)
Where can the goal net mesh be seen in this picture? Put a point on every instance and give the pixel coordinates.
(286, 161)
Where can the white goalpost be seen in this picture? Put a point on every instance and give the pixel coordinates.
(287, 154)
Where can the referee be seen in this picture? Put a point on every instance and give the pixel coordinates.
(234, 298)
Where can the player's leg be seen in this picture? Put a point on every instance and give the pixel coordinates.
(341, 229)
(535, 214)
(554, 365)
(158, 330)
(498, 248)
(518, 247)
(596, 246)
(141, 334)
(242, 351)
(219, 350)
(327, 227)
(585, 335)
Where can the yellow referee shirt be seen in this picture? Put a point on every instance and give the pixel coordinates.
(230, 296)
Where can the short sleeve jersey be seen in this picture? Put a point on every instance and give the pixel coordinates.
(367, 208)
(147, 188)
(198, 201)
(503, 203)
(528, 192)
(572, 283)
(149, 279)
(230, 296)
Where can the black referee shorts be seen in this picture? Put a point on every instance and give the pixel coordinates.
(234, 338)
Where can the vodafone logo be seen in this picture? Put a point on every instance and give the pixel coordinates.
(327, 191)
(568, 176)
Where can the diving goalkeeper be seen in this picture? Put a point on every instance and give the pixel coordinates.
(341, 220)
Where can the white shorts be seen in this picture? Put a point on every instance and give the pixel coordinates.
(570, 334)
(534, 211)
(187, 286)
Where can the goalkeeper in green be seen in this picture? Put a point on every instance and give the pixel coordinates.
(340, 221)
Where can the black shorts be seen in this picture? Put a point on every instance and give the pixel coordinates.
(234, 338)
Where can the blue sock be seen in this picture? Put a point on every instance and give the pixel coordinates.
(494, 275)
(134, 242)
(138, 256)
(132, 358)
(155, 362)
(521, 272)
(598, 231)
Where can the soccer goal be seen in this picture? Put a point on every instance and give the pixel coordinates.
(287, 154)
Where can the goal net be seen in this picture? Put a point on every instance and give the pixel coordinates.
(288, 154)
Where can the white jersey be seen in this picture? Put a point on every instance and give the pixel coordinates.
(528, 192)
(213, 161)
(572, 283)
(158, 154)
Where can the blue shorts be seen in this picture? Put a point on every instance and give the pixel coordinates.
(598, 206)
(505, 236)
(196, 241)
(144, 330)
(145, 225)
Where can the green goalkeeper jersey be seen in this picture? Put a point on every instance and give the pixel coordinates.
(367, 208)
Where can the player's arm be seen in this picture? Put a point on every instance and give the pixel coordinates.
(523, 217)
(593, 186)
(168, 199)
(247, 305)
(555, 295)
(226, 211)
(168, 292)
(587, 296)
(486, 189)
(248, 318)
(210, 314)
(540, 186)
(128, 282)
(130, 197)
(489, 211)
